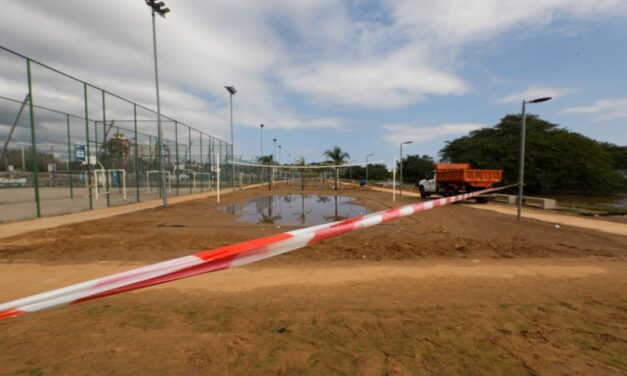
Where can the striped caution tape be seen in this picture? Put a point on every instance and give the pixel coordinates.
(215, 259)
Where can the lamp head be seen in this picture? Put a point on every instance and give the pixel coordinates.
(539, 100)
(231, 89)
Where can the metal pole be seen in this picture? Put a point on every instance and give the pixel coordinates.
(136, 152)
(189, 156)
(159, 135)
(104, 148)
(394, 179)
(218, 175)
(6, 143)
(88, 157)
(176, 148)
(521, 170)
(366, 167)
(261, 140)
(202, 187)
(33, 139)
(232, 146)
(400, 184)
(69, 155)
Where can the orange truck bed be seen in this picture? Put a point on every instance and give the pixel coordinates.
(461, 174)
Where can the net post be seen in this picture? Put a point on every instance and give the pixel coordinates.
(33, 139)
(89, 182)
(69, 155)
(104, 148)
(136, 156)
(176, 149)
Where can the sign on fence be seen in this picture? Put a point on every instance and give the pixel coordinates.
(79, 152)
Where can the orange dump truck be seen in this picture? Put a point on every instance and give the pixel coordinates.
(450, 179)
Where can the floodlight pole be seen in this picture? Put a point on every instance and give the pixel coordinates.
(162, 11)
(521, 170)
(367, 155)
(232, 91)
(261, 139)
(279, 154)
(400, 184)
(274, 152)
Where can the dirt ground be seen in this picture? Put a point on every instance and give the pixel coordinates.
(448, 291)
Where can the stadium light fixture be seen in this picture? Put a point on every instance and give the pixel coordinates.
(521, 171)
(232, 92)
(158, 8)
(400, 186)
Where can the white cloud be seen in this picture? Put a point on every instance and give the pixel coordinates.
(329, 52)
(603, 109)
(398, 133)
(534, 92)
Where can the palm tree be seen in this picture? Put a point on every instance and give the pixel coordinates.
(336, 155)
(266, 160)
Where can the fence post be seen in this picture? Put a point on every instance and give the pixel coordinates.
(189, 155)
(69, 155)
(218, 176)
(104, 148)
(33, 139)
(136, 153)
(176, 149)
(202, 187)
(88, 157)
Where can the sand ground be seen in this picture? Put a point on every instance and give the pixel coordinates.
(449, 291)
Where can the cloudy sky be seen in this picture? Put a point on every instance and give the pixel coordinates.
(364, 75)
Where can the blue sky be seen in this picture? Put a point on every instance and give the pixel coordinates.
(360, 74)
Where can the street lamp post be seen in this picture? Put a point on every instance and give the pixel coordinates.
(367, 155)
(232, 92)
(261, 139)
(274, 151)
(279, 154)
(158, 8)
(521, 171)
(400, 186)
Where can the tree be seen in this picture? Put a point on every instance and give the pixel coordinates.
(555, 159)
(266, 160)
(118, 149)
(336, 155)
(377, 171)
(416, 167)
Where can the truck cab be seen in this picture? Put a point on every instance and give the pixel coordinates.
(428, 185)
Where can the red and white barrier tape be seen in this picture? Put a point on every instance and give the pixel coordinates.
(214, 260)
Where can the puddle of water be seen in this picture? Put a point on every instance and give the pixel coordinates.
(296, 209)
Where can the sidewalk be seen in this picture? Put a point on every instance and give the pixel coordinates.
(18, 228)
(541, 215)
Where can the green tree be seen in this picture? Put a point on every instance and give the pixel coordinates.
(377, 171)
(555, 159)
(416, 167)
(266, 160)
(336, 155)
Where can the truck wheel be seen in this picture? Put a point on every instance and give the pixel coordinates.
(450, 192)
(423, 194)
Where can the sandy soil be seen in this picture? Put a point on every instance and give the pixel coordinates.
(448, 291)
